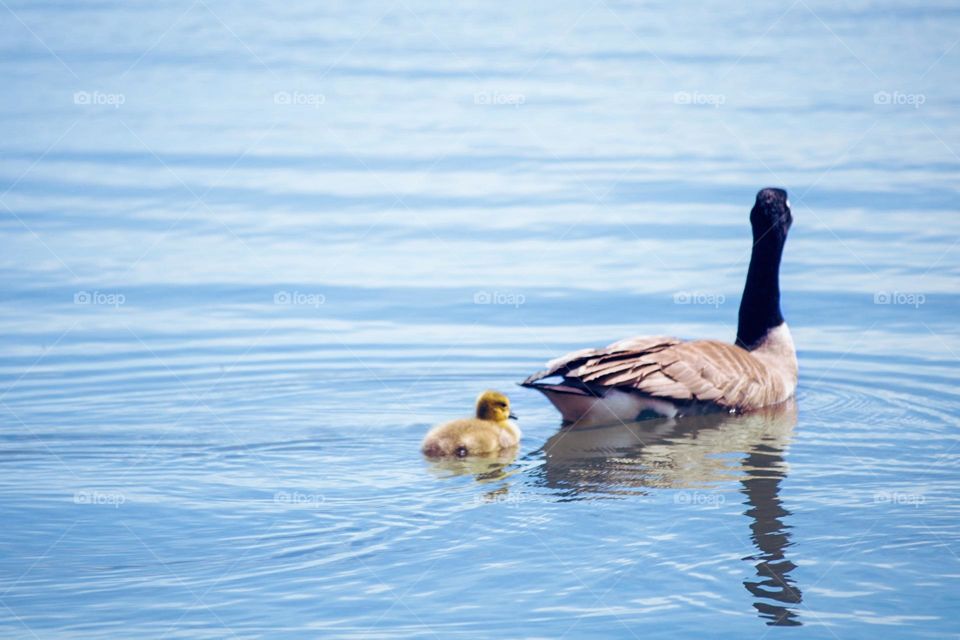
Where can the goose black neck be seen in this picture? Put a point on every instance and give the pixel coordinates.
(760, 305)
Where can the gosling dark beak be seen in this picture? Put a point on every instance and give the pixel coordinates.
(513, 416)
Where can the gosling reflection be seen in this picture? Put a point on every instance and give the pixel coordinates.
(694, 452)
(483, 468)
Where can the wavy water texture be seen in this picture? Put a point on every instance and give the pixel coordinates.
(252, 252)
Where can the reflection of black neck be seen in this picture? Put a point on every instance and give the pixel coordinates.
(761, 485)
(760, 305)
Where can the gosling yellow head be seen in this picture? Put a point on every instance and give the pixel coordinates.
(493, 405)
(490, 432)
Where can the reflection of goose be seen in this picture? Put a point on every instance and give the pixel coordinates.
(694, 452)
(765, 471)
(666, 376)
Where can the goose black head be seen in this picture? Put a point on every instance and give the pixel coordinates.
(760, 305)
(771, 214)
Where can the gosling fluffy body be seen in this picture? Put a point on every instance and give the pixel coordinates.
(490, 432)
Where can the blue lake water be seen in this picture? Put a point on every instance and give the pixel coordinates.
(252, 252)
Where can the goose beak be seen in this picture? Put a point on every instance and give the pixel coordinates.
(513, 416)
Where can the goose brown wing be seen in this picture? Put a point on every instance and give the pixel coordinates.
(623, 350)
(701, 370)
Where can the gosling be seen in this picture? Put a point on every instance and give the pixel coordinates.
(490, 432)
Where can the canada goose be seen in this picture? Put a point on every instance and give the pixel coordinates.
(664, 376)
(488, 433)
